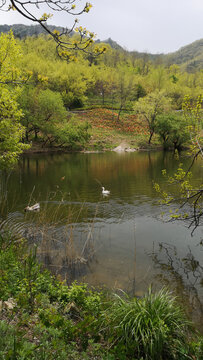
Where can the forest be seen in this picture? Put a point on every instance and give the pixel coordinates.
(121, 91)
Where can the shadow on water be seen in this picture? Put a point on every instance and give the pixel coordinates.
(184, 275)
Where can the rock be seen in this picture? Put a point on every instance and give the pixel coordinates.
(124, 147)
(130, 150)
(9, 304)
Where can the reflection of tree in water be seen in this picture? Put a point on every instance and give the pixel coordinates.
(184, 276)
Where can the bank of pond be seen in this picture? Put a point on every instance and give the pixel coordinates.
(43, 318)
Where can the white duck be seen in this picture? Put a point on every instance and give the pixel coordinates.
(105, 192)
(35, 207)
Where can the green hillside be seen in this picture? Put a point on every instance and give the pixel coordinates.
(189, 57)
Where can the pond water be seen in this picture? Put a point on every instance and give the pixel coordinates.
(119, 241)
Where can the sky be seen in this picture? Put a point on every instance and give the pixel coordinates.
(154, 26)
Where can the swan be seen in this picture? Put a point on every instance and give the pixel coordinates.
(105, 192)
(35, 207)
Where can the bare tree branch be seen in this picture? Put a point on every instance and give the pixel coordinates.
(29, 8)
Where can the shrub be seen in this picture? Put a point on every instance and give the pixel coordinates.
(73, 135)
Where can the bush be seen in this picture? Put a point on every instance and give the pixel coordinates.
(73, 135)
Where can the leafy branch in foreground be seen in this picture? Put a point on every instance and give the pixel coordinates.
(30, 9)
(190, 199)
(189, 196)
(193, 115)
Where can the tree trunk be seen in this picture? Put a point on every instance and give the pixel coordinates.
(26, 136)
(119, 112)
(103, 97)
(150, 138)
(36, 132)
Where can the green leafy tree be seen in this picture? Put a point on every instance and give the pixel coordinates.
(72, 81)
(45, 114)
(126, 90)
(103, 82)
(10, 57)
(43, 111)
(172, 129)
(157, 78)
(11, 131)
(149, 107)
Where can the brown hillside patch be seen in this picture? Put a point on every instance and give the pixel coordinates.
(107, 120)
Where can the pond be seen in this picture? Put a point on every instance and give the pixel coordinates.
(118, 241)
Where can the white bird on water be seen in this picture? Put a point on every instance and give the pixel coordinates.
(35, 207)
(105, 192)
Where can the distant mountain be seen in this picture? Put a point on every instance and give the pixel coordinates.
(21, 31)
(189, 57)
(113, 44)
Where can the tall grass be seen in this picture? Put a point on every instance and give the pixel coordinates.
(151, 328)
(53, 229)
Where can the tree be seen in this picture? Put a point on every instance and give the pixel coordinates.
(11, 131)
(126, 90)
(31, 10)
(149, 107)
(43, 111)
(157, 78)
(103, 82)
(10, 58)
(72, 81)
(172, 129)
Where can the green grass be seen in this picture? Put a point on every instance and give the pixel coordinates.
(153, 327)
(50, 320)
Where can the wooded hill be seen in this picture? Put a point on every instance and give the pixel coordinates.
(189, 57)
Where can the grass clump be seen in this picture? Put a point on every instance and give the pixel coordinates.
(153, 327)
(43, 318)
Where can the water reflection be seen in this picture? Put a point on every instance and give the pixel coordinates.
(102, 240)
(184, 275)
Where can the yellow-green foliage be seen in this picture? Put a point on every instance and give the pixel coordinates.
(11, 131)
